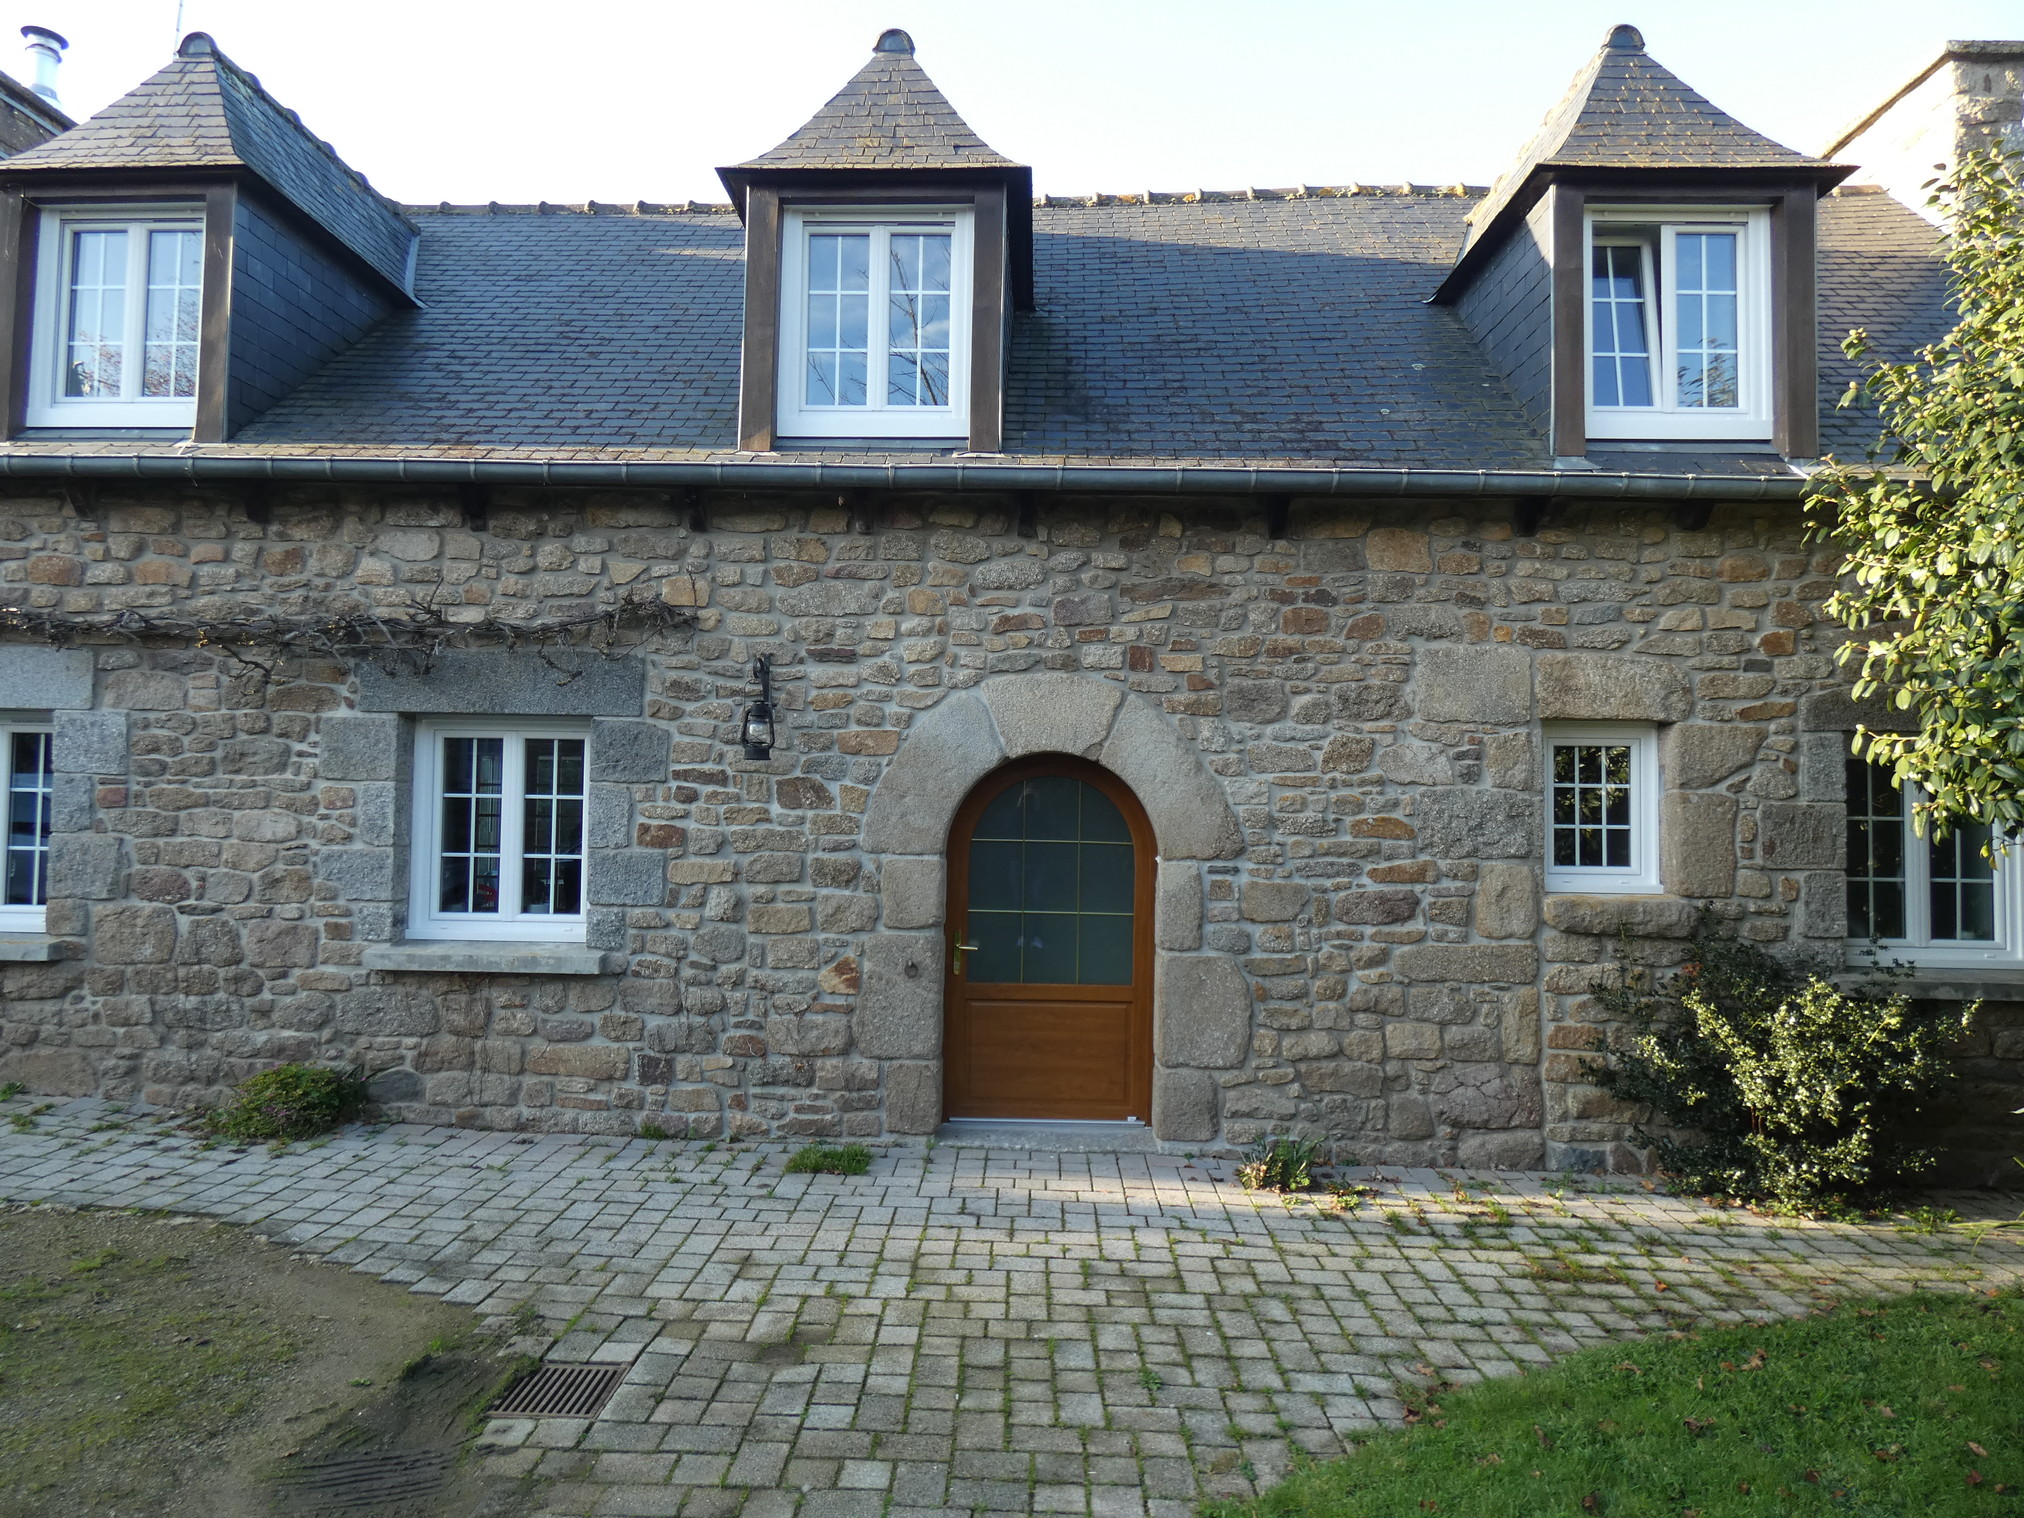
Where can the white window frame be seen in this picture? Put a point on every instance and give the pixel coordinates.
(1665, 419)
(1641, 877)
(24, 918)
(1917, 946)
(425, 920)
(794, 417)
(47, 405)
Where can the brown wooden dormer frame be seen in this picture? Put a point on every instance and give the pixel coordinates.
(1001, 203)
(20, 204)
(1792, 198)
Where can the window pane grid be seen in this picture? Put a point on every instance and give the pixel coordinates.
(917, 360)
(1052, 882)
(552, 833)
(1706, 344)
(95, 323)
(175, 286)
(839, 303)
(1876, 858)
(473, 803)
(1622, 348)
(1930, 892)
(1962, 886)
(30, 786)
(1592, 806)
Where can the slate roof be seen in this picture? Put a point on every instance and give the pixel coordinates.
(202, 111)
(1626, 110)
(890, 116)
(1227, 330)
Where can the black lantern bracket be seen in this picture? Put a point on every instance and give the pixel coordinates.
(757, 727)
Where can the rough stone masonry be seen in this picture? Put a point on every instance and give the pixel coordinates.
(1335, 734)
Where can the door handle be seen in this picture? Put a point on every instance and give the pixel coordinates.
(961, 950)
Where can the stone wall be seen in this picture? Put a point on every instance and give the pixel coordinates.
(1340, 728)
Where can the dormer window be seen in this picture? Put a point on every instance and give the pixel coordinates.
(118, 315)
(1678, 324)
(874, 329)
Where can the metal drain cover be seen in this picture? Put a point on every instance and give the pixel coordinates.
(559, 1391)
(382, 1481)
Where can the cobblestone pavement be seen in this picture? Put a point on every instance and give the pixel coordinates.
(970, 1330)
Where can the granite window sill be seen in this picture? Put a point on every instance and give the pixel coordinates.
(33, 948)
(459, 956)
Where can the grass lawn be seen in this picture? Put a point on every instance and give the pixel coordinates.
(1911, 1407)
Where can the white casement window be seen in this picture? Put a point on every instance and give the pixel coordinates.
(1602, 808)
(875, 324)
(498, 837)
(1679, 324)
(1937, 901)
(30, 777)
(118, 315)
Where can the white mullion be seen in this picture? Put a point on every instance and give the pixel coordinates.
(512, 821)
(1918, 878)
(1666, 392)
(134, 360)
(426, 869)
(878, 334)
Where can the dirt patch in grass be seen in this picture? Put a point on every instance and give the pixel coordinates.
(183, 1368)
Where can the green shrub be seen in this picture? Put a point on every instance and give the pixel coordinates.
(1771, 1085)
(289, 1102)
(1280, 1165)
(851, 1159)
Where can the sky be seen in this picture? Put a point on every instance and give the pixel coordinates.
(623, 100)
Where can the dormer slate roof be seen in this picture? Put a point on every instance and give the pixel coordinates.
(889, 116)
(202, 111)
(1626, 110)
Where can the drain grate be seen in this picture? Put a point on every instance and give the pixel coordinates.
(380, 1481)
(559, 1391)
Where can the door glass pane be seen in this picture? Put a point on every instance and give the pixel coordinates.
(1049, 949)
(1617, 303)
(30, 784)
(839, 304)
(1053, 876)
(95, 329)
(1876, 870)
(1105, 951)
(1706, 295)
(175, 284)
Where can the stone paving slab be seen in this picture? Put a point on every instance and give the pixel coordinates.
(976, 1331)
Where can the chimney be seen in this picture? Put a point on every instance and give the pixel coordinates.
(45, 52)
(1971, 96)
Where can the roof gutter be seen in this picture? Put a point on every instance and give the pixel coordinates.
(765, 474)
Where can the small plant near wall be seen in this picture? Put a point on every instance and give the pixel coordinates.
(850, 1159)
(289, 1102)
(1765, 1082)
(1280, 1164)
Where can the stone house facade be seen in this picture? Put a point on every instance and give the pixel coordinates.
(1286, 745)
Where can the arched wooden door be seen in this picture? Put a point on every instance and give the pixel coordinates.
(1048, 1006)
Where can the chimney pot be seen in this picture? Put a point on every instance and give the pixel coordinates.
(45, 52)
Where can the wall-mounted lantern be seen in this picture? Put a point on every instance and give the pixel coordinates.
(758, 724)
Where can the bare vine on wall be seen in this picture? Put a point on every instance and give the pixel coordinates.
(406, 638)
